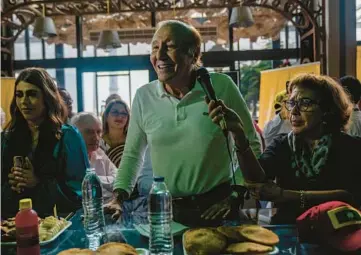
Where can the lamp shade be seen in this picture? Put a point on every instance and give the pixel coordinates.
(109, 39)
(241, 17)
(44, 27)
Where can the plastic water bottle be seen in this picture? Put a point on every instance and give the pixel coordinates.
(94, 223)
(160, 218)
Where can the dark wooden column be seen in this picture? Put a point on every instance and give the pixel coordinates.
(7, 54)
(341, 37)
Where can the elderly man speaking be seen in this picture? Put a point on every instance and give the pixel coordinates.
(91, 129)
(186, 148)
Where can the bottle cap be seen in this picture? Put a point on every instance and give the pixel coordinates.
(158, 178)
(25, 203)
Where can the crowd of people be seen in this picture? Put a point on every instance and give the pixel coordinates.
(173, 130)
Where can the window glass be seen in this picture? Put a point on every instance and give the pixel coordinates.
(358, 20)
(262, 43)
(89, 95)
(110, 83)
(89, 51)
(138, 78)
(283, 39)
(52, 72)
(244, 44)
(19, 47)
(49, 50)
(292, 37)
(70, 51)
(140, 49)
(212, 46)
(17, 72)
(294, 61)
(236, 46)
(250, 83)
(36, 48)
(122, 51)
(70, 85)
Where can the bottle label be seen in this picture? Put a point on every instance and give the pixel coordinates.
(27, 236)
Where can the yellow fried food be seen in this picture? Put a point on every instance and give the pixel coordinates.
(51, 226)
(113, 248)
(48, 228)
(231, 232)
(258, 234)
(204, 241)
(49, 222)
(77, 252)
(248, 248)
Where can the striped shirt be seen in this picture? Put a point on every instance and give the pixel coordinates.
(114, 154)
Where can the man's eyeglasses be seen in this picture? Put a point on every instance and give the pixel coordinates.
(119, 114)
(304, 104)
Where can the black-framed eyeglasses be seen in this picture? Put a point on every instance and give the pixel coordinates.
(119, 114)
(303, 104)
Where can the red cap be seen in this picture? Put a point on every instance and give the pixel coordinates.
(334, 224)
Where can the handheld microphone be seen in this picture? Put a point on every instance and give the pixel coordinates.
(204, 79)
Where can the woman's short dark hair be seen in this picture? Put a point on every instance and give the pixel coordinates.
(353, 87)
(108, 107)
(56, 111)
(334, 101)
(191, 43)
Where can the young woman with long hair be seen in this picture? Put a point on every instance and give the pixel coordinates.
(115, 128)
(53, 155)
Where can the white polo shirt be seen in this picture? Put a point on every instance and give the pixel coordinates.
(105, 170)
(186, 147)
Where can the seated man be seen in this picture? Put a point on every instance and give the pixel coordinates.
(280, 123)
(91, 129)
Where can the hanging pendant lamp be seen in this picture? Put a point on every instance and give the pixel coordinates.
(241, 17)
(44, 27)
(109, 39)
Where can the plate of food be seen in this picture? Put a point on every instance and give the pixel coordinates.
(245, 239)
(108, 248)
(50, 229)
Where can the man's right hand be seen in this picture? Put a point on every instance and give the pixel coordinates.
(114, 208)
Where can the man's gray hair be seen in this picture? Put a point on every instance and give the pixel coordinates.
(83, 117)
(191, 39)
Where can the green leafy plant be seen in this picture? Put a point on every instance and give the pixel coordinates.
(250, 83)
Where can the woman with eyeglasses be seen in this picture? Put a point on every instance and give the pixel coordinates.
(316, 162)
(115, 127)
